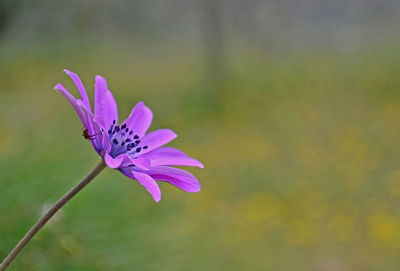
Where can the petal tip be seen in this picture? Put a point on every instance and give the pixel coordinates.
(195, 189)
(173, 134)
(144, 106)
(101, 82)
(69, 73)
(58, 87)
(197, 163)
(99, 78)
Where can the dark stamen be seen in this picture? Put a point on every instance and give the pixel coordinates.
(136, 137)
(145, 147)
(123, 143)
(113, 121)
(130, 133)
(137, 141)
(123, 126)
(128, 140)
(138, 149)
(115, 141)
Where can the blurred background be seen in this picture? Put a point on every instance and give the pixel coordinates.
(293, 106)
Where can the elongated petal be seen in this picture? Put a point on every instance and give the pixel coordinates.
(167, 156)
(106, 143)
(139, 120)
(175, 176)
(154, 140)
(105, 107)
(96, 135)
(74, 102)
(78, 83)
(149, 183)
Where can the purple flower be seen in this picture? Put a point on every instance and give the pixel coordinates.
(128, 147)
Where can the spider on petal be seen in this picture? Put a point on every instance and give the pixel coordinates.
(85, 134)
(128, 147)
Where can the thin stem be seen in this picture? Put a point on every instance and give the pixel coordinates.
(60, 203)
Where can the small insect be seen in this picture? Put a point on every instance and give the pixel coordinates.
(85, 134)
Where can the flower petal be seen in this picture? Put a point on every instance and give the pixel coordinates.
(141, 162)
(81, 89)
(74, 102)
(149, 183)
(113, 162)
(175, 176)
(154, 140)
(105, 107)
(167, 156)
(139, 120)
(125, 160)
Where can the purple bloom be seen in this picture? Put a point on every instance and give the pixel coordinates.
(128, 147)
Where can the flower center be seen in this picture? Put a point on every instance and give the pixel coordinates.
(123, 140)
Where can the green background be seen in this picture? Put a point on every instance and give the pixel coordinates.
(300, 146)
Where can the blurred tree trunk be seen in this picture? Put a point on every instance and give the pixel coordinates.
(8, 8)
(3, 16)
(213, 29)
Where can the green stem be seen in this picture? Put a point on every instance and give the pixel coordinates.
(57, 206)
